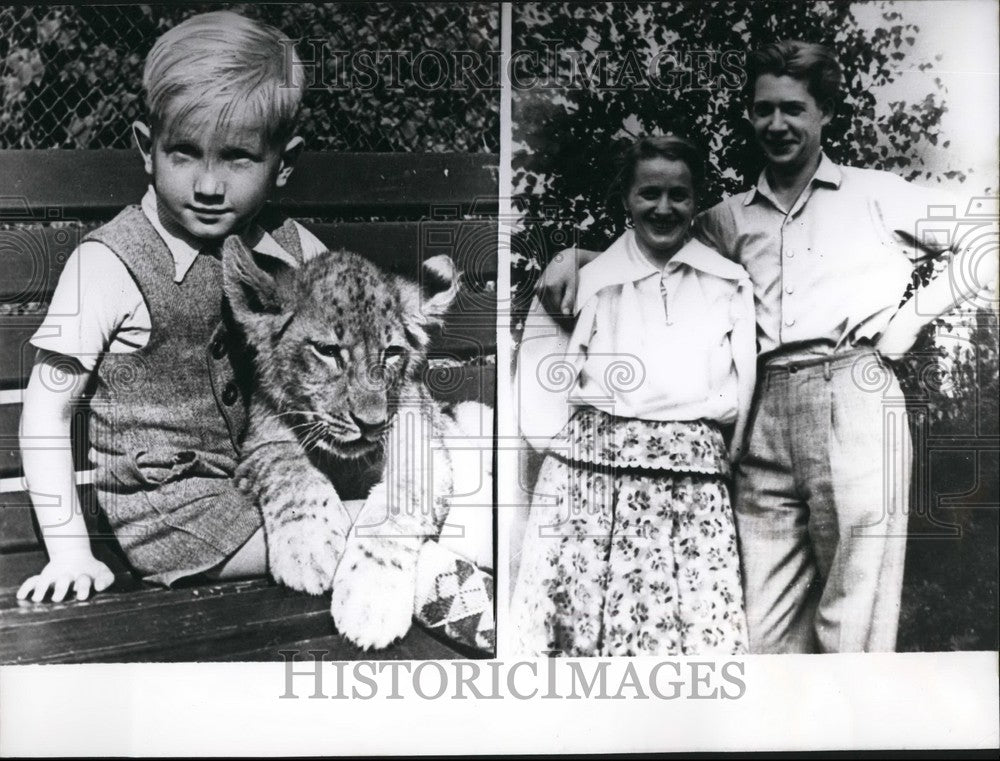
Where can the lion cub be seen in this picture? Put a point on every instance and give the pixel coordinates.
(339, 355)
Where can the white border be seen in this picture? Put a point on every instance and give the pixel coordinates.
(921, 700)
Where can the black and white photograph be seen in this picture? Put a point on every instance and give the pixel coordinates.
(756, 333)
(248, 312)
(517, 378)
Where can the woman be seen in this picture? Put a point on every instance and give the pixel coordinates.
(630, 548)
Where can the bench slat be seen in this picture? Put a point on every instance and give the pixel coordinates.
(95, 183)
(17, 355)
(417, 645)
(34, 255)
(17, 527)
(193, 623)
(400, 246)
(10, 458)
(19, 531)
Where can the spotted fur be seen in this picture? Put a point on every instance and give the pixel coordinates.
(339, 354)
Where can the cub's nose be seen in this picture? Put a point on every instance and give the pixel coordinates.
(370, 429)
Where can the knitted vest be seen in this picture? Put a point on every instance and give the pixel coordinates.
(177, 400)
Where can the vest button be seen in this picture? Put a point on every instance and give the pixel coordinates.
(218, 347)
(230, 394)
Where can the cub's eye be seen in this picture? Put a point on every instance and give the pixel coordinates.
(392, 354)
(328, 351)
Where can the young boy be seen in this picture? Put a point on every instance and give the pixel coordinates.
(821, 502)
(166, 413)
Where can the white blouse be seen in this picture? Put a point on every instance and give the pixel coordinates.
(677, 343)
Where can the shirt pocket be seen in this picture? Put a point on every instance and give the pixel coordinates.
(152, 469)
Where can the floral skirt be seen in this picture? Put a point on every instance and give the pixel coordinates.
(630, 560)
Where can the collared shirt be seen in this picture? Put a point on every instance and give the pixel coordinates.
(831, 270)
(97, 307)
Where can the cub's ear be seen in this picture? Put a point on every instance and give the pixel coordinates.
(424, 303)
(252, 292)
(439, 284)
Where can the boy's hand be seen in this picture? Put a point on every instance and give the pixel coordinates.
(82, 572)
(557, 285)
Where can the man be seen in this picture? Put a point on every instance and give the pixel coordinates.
(822, 490)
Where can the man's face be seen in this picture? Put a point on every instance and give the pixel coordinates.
(788, 122)
(212, 181)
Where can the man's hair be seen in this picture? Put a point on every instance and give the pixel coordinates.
(814, 64)
(673, 147)
(223, 64)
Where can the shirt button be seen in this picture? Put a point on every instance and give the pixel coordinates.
(789, 254)
(789, 290)
(219, 347)
(790, 321)
(230, 394)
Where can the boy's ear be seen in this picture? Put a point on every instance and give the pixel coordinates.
(144, 142)
(827, 108)
(425, 303)
(254, 294)
(289, 155)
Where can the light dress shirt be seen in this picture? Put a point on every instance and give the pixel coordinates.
(670, 343)
(830, 271)
(97, 306)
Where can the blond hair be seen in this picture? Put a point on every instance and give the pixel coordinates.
(224, 65)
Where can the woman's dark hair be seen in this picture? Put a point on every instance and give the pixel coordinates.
(810, 62)
(671, 147)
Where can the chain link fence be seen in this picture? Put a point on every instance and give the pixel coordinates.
(383, 76)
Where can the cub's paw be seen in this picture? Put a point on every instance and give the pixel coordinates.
(372, 603)
(304, 561)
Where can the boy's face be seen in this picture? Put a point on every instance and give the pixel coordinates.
(211, 182)
(788, 122)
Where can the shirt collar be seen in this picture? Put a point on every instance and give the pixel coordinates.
(697, 256)
(827, 173)
(624, 262)
(184, 251)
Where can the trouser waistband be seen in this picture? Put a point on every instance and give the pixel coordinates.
(839, 361)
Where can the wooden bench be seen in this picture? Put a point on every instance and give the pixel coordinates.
(396, 209)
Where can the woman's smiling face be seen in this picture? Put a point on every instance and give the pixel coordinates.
(661, 203)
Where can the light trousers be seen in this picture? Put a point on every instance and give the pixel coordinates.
(821, 506)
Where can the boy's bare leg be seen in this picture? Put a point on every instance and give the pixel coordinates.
(249, 560)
